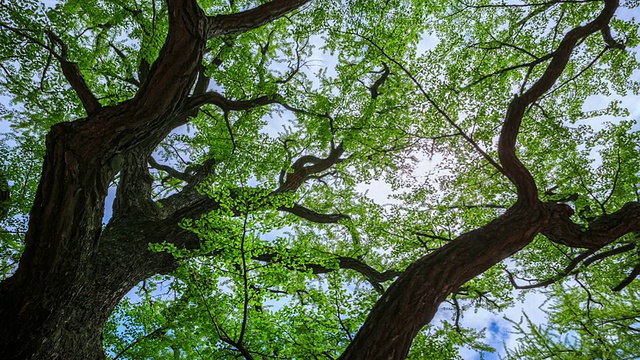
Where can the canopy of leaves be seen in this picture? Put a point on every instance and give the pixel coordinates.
(414, 93)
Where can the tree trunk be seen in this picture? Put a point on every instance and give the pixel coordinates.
(71, 276)
(413, 299)
(61, 315)
(73, 272)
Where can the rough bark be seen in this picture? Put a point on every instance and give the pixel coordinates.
(5, 196)
(73, 272)
(413, 299)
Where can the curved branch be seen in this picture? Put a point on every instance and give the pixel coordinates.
(228, 24)
(582, 71)
(609, 40)
(606, 254)
(600, 232)
(569, 269)
(169, 170)
(372, 275)
(366, 270)
(226, 105)
(302, 171)
(217, 99)
(515, 170)
(566, 271)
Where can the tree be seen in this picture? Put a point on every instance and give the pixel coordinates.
(175, 104)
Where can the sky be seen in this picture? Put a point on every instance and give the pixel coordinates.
(498, 332)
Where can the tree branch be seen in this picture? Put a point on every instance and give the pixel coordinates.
(73, 75)
(70, 70)
(515, 170)
(600, 232)
(219, 25)
(609, 40)
(374, 89)
(302, 171)
(313, 216)
(530, 65)
(217, 99)
(169, 170)
(634, 273)
(566, 271)
(372, 275)
(606, 254)
(585, 258)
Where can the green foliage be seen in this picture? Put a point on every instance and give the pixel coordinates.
(593, 324)
(271, 282)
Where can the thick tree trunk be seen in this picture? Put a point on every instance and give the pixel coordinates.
(413, 299)
(71, 276)
(73, 273)
(65, 320)
(64, 228)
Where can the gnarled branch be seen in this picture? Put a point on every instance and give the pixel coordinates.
(217, 99)
(600, 231)
(301, 169)
(514, 169)
(372, 275)
(219, 25)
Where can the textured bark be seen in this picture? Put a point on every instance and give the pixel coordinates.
(413, 299)
(73, 272)
(5, 196)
